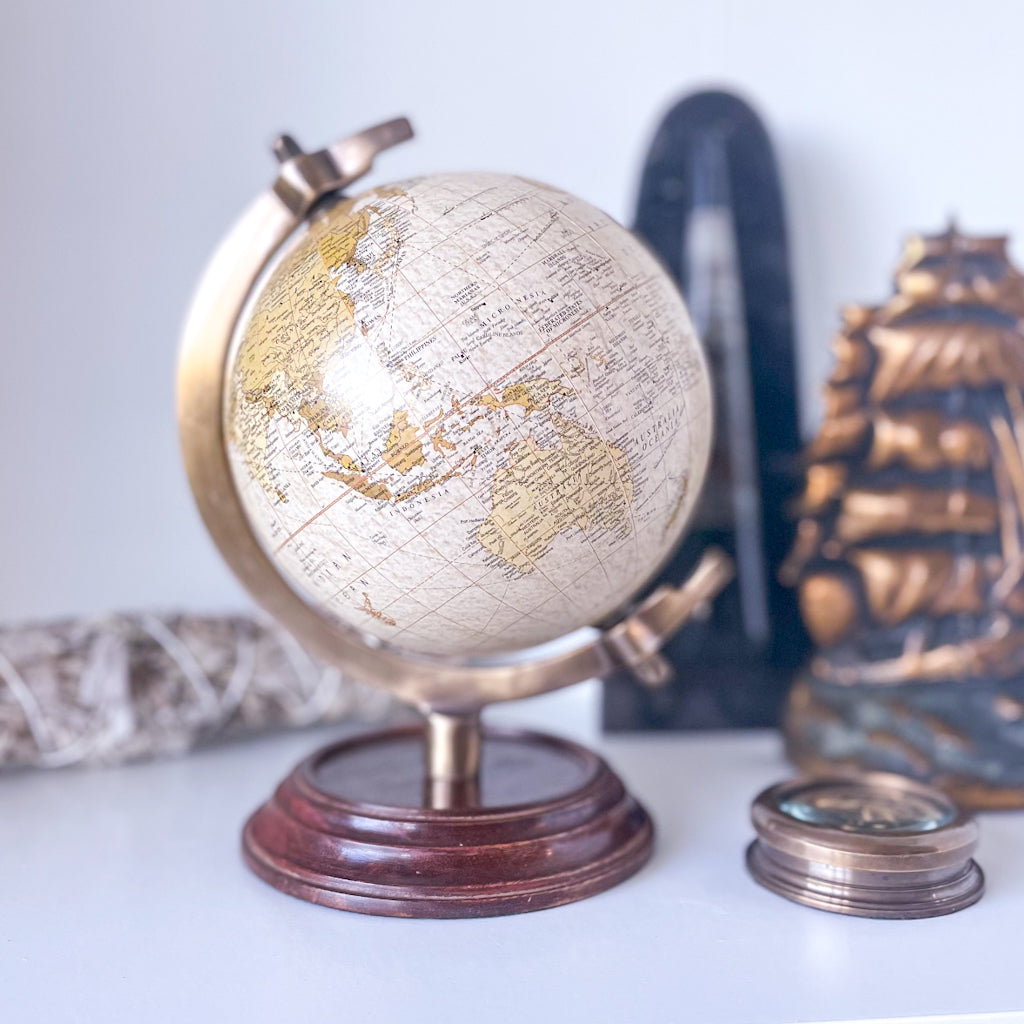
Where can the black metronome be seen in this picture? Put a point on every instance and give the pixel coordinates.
(710, 205)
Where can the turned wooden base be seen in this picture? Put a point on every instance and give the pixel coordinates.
(356, 827)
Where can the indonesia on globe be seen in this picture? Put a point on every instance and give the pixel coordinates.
(466, 414)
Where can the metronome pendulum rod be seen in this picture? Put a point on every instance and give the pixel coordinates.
(452, 759)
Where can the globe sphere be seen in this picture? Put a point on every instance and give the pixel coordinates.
(466, 414)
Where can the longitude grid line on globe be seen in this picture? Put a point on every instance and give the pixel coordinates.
(417, 536)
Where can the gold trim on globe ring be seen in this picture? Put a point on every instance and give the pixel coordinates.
(433, 684)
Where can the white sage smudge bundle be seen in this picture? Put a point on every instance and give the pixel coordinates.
(118, 688)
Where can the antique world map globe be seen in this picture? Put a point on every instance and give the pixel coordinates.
(466, 414)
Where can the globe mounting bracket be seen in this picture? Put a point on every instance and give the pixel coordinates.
(304, 178)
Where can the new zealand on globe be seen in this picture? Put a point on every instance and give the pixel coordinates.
(466, 414)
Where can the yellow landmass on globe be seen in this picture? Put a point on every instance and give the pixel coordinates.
(532, 395)
(583, 484)
(336, 248)
(359, 481)
(440, 443)
(403, 451)
(367, 606)
(300, 320)
(425, 485)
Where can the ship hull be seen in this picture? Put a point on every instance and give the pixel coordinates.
(966, 739)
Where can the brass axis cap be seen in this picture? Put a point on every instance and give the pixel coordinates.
(871, 845)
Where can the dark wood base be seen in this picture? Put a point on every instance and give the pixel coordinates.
(353, 827)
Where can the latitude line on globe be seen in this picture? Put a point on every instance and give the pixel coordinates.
(518, 611)
(416, 536)
(569, 330)
(436, 610)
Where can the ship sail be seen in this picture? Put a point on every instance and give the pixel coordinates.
(929, 356)
(899, 584)
(866, 514)
(913, 509)
(921, 439)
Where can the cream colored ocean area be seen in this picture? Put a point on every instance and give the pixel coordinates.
(465, 414)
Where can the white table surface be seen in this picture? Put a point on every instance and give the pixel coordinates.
(123, 898)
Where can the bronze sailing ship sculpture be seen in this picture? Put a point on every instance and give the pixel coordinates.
(909, 557)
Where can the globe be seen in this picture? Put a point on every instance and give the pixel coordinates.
(466, 414)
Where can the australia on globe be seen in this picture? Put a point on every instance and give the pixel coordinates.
(466, 414)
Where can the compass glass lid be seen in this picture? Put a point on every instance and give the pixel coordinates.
(856, 806)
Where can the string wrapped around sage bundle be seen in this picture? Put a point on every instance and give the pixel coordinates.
(116, 688)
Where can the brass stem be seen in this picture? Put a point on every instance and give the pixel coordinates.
(453, 758)
(453, 745)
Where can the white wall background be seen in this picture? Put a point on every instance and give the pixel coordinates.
(133, 132)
